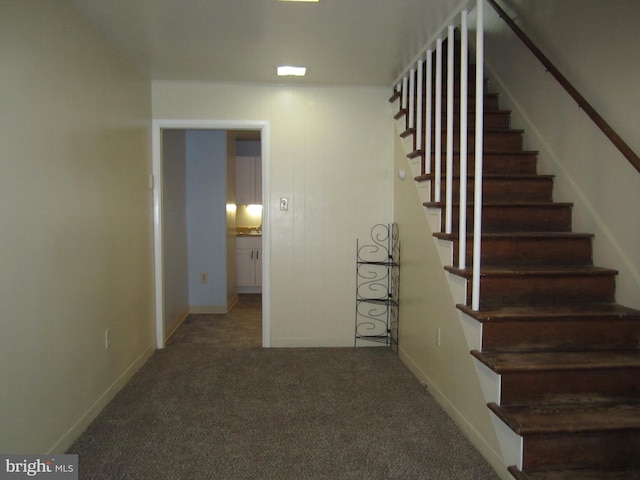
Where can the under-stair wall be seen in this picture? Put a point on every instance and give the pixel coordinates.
(432, 338)
(588, 40)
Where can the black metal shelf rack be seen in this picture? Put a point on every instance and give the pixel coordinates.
(378, 287)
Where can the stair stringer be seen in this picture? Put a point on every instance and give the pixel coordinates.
(509, 443)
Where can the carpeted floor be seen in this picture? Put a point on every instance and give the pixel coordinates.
(203, 411)
(241, 327)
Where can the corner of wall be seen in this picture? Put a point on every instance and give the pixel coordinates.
(63, 444)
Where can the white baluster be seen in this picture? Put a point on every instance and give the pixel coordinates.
(438, 126)
(420, 82)
(429, 113)
(449, 152)
(412, 97)
(477, 211)
(405, 82)
(464, 80)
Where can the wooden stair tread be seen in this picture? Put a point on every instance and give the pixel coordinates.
(407, 132)
(580, 311)
(512, 204)
(503, 362)
(486, 153)
(402, 112)
(569, 418)
(580, 474)
(501, 235)
(533, 270)
(487, 130)
(456, 92)
(493, 176)
(471, 110)
(506, 204)
(496, 161)
(493, 152)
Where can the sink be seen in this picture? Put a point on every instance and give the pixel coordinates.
(248, 232)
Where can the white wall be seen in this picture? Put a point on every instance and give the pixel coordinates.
(207, 219)
(594, 44)
(329, 152)
(174, 205)
(76, 224)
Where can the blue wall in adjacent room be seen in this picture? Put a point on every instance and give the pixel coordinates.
(206, 216)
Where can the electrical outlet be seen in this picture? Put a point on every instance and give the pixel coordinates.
(204, 278)
(107, 338)
(284, 203)
(438, 337)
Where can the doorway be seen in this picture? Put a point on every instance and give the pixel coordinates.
(157, 183)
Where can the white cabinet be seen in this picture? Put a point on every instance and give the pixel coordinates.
(248, 181)
(249, 264)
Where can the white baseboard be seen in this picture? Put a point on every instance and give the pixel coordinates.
(257, 289)
(207, 309)
(477, 440)
(85, 420)
(171, 329)
(287, 342)
(232, 301)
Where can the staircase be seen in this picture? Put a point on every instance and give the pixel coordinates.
(566, 353)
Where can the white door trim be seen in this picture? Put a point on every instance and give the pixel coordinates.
(156, 134)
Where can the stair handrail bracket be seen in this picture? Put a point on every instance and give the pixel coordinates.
(582, 102)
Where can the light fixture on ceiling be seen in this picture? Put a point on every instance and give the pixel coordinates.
(288, 70)
(254, 210)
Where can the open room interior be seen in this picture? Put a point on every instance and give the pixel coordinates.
(157, 175)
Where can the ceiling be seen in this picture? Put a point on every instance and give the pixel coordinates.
(341, 42)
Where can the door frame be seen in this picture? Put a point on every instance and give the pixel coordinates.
(157, 181)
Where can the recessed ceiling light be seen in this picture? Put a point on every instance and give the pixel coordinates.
(287, 70)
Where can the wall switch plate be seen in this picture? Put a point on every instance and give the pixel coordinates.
(284, 203)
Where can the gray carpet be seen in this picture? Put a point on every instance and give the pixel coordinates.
(196, 411)
(241, 327)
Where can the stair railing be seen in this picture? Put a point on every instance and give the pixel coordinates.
(611, 134)
(430, 140)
